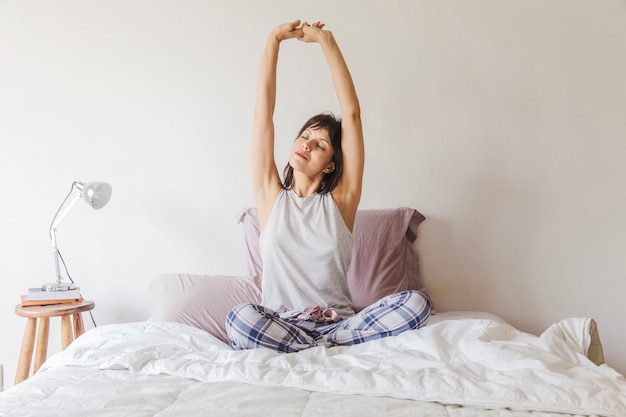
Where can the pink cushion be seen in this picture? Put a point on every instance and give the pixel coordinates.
(384, 260)
(201, 301)
(251, 262)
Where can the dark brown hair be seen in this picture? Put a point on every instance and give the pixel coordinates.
(332, 125)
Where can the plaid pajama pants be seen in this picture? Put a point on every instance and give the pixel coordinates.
(252, 326)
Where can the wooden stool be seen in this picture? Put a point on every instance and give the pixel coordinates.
(43, 313)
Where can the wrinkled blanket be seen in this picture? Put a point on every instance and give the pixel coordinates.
(469, 362)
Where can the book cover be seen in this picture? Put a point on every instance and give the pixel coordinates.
(25, 302)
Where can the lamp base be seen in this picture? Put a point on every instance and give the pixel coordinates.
(58, 286)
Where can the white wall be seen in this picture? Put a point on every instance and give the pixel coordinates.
(502, 121)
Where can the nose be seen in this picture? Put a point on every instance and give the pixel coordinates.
(305, 145)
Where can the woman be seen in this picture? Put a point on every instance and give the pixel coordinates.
(306, 222)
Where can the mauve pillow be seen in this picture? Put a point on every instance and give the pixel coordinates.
(384, 259)
(201, 301)
(251, 262)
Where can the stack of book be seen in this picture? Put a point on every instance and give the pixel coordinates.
(39, 297)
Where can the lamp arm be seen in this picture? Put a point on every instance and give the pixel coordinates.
(65, 207)
(55, 253)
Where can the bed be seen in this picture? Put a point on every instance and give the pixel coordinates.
(462, 364)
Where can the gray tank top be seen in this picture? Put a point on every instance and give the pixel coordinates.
(306, 249)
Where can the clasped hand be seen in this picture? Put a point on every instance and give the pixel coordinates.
(304, 32)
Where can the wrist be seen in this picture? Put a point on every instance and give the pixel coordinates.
(274, 37)
(326, 39)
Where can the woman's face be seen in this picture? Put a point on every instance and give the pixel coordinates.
(312, 153)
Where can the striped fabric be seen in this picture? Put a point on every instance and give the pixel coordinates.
(252, 326)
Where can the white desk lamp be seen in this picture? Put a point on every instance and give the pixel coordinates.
(96, 194)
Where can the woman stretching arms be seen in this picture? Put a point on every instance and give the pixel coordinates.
(306, 222)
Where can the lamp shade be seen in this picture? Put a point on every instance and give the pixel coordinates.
(96, 194)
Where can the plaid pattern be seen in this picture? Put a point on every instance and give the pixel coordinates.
(252, 326)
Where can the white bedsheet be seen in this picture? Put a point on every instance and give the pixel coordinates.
(159, 368)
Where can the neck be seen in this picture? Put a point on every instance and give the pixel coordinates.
(304, 186)
(303, 192)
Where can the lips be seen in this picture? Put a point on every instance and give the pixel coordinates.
(301, 155)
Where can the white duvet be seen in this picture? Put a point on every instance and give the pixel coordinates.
(470, 362)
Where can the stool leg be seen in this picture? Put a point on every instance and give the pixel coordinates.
(41, 350)
(66, 332)
(79, 327)
(26, 352)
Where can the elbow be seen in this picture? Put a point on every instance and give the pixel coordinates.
(352, 114)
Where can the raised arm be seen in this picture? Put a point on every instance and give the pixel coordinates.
(265, 177)
(347, 194)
